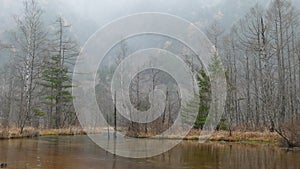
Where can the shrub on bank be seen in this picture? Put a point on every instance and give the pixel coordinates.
(290, 132)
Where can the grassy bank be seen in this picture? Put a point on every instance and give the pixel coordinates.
(266, 137)
(237, 136)
(223, 136)
(13, 133)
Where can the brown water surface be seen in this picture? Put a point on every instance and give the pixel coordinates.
(79, 152)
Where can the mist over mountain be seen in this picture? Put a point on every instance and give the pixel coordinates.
(88, 16)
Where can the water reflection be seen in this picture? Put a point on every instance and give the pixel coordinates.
(230, 156)
(116, 143)
(79, 152)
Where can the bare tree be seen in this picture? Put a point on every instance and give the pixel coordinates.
(214, 33)
(31, 41)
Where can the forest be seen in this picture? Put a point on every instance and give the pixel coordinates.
(260, 53)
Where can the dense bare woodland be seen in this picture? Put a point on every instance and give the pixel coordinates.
(37, 80)
(261, 55)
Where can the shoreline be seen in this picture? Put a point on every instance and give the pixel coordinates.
(217, 136)
(223, 136)
(13, 133)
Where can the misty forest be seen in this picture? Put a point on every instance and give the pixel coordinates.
(259, 48)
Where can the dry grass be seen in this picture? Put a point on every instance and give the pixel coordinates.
(245, 136)
(13, 133)
(237, 136)
(65, 131)
(193, 135)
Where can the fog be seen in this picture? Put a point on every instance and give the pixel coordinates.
(86, 16)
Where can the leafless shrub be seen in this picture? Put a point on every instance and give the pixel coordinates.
(290, 132)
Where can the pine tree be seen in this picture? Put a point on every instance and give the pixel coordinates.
(204, 96)
(56, 77)
(58, 83)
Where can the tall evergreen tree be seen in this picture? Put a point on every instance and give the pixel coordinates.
(56, 77)
(204, 96)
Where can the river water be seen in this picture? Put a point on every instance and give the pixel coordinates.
(79, 152)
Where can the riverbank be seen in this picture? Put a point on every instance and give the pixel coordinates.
(218, 136)
(14, 133)
(266, 137)
(224, 136)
